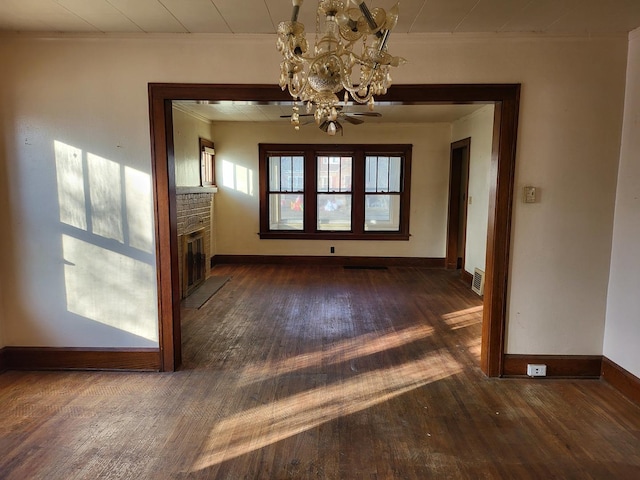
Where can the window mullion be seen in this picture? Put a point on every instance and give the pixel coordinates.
(358, 192)
(310, 219)
(405, 191)
(389, 174)
(310, 190)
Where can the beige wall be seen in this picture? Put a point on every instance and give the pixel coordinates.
(187, 131)
(77, 153)
(4, 266)
(90, 93)
(622, 332)
(188, 128)
(237, 203)
(6, 238)
(479, 127)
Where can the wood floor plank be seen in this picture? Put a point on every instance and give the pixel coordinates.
(319, 372)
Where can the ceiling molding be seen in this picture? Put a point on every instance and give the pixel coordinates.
(191, 113)
(400, 38)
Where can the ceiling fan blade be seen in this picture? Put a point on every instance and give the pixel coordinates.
(352, 120)
(367, 114)
(324, 125)
(300, 115)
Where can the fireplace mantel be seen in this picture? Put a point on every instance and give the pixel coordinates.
(196, 190)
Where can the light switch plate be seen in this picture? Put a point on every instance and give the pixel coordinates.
(529, 194)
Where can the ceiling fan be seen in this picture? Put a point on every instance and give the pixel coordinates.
(333, 126)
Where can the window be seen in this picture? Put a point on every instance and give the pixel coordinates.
(286, 192)
(207, 163)
(335, 192)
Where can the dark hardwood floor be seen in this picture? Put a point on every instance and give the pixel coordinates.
(314, 372)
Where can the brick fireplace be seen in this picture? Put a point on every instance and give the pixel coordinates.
(194, 207)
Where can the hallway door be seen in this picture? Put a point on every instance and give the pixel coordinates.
(457, 215)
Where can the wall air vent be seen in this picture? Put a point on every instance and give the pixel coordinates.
(477, 285)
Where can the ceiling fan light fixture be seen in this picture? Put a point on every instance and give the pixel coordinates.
(315, 76)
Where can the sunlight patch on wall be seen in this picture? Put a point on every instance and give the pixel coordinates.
(107, 278)
(105, 192)
(99, 195)
(228, 174)
(237, 177)
(139, 209)
(244, 180)
(110, 288)
(70, 177)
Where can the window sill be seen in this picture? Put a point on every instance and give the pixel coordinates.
(287, 235)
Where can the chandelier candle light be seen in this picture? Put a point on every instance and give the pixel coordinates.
(316, 77)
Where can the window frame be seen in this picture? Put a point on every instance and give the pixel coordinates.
(358, 152)
(207, 162)
(298, 192)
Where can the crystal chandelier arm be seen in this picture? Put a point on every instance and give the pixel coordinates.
(296, 9)
(315, 76)
(354, 90)
(296, 89)
(383, 41)
(370, 20)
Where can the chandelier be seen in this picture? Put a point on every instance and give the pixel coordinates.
(349, 54)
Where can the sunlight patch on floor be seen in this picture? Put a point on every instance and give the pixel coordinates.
(338, 352)
(474, 347)
(258, 427)
(463, 318)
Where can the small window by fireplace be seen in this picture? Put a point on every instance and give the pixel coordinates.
(207, 163)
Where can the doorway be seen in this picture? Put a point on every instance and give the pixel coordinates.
(506, 99)
(457, 213)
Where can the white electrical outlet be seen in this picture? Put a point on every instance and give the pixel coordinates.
(534, 370)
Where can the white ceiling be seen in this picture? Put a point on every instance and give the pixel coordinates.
(233, 112)
(262, 16)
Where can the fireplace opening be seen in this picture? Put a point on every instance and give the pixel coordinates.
(195, 261)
